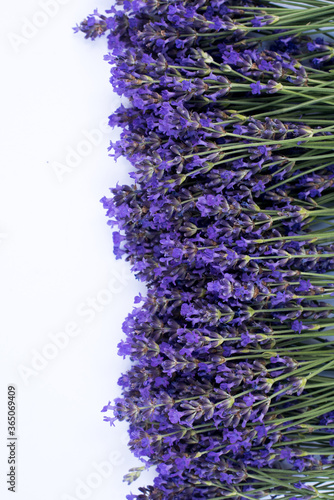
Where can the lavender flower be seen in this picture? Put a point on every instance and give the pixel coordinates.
(228, 129)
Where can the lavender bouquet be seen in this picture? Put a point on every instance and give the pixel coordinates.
(229, 127)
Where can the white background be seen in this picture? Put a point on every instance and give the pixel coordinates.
(56, 260)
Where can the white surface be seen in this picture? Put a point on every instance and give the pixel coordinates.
(56, 258)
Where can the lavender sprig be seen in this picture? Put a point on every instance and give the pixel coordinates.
(229, 130)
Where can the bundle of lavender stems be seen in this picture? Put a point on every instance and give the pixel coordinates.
(228, 124)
